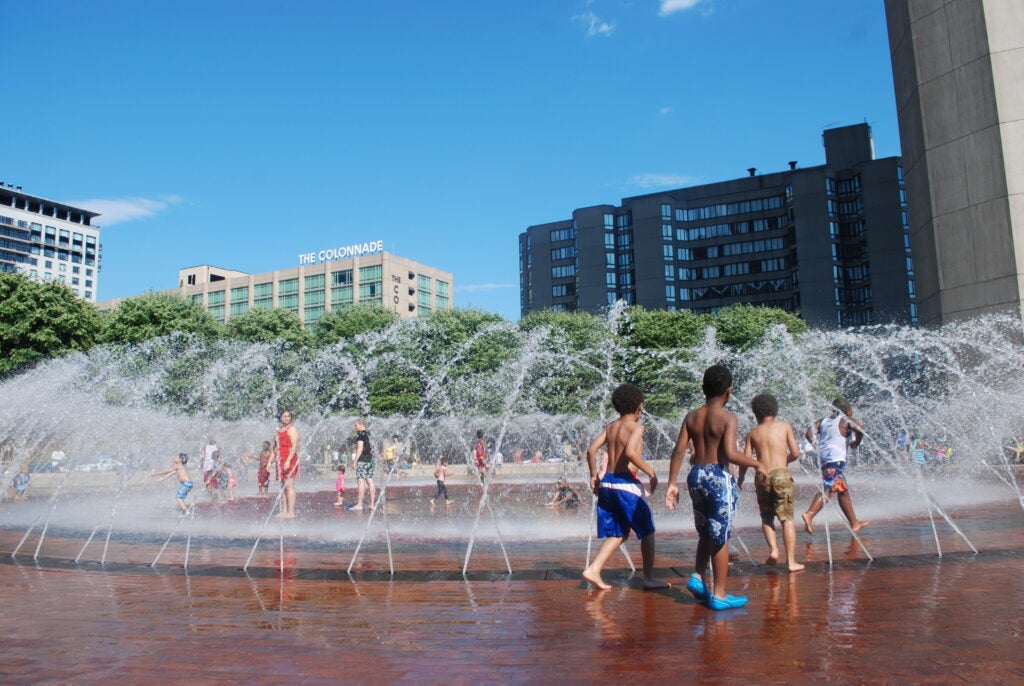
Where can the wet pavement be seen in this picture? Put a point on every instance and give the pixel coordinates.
(907, 616)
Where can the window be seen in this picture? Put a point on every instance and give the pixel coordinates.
(666, 232)
(609, 279)
(424, 282)
(263, 296)
(566, 253)
(666, 211)
(288, 286)
(563, 271)
(373, 273)
(561, 290)
(558, 235)
(342, 278)
(240, 294)
(670, 292)
(668, 252)
(239, 308)
(609, 222)
(609, 241)
(441, 288)
(442, 302)
(423, 300)
(313, 314)
(370, 291)
(215, 298)
(341, 295)
(314, 282)
(670, 272)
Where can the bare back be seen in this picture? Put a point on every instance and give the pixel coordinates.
(773, 444)
(713, 432)
(624, 439)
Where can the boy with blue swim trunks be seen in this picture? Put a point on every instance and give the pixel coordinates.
(184, 480)
(712, 487)
(621, 506)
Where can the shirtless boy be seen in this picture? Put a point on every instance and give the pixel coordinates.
(773, 444)
(621, 506)
(836, 434)
(263, 474)
(184, 480)
(712, 488)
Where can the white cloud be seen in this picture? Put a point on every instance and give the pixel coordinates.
(666, 110)
(474, 287)
(672, 6)
(660, 180)
(596, 26)
(120, 210)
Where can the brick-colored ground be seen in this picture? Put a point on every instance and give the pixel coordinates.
(907, 617)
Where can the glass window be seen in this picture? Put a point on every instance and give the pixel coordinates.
(442, 302)
(288, 286)
(289, 302)
(372, 273)
(314, 313)
(341, 295)
(423, 282)
(670, 291)
(666, 211)
(668, 252)
(314, 281)
(558, 235)
(370, 291)
(314, 298)
(240, 295)
(239, 308)
(215, 298)
(342, 278)
(441, 288)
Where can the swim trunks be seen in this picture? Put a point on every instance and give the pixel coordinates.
(775, 495)
(832, 478)
(621, 507)
(183, 488)
(263, 477)
(713, 493)
(364, 470)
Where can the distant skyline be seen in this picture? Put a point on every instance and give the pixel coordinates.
(241, 134)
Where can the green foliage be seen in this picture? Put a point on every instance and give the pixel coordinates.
(396, 392)
(581, 330)
(159, 314)
(38, 320)
(349, 322)
(261, 325)
(662, 329)
(742, 326)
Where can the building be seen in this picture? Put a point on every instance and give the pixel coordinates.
(829, 242)
(958, 69)
(320, 284)
(49, 241)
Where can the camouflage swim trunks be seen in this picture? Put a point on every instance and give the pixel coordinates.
(775, 495)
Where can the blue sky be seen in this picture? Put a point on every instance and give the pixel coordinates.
(243, 133)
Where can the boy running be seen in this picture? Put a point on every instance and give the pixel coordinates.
(620, 496)
(712, 488)
(773, 444)
(836, 434)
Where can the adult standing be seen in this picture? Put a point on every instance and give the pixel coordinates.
(287, 451)
(362, 454)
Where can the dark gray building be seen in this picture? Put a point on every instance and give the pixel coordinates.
(829, 242)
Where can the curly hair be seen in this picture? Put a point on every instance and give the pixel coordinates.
(627, 398)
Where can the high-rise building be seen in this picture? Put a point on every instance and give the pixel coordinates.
(958, 69)
(829, 242)
(49, 241)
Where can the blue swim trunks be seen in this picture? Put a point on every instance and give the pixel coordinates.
(713, 492)
(833, 478)
(183, 488)
(621, 507)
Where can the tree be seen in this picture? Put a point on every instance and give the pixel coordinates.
(260, 325)
(38, 320)
(159, 314)
(351, 321)
(663, 329)
(742, 326)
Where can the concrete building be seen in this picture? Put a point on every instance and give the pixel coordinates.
(958, 68)
(314, 288)
(49, 241)
(829, 242)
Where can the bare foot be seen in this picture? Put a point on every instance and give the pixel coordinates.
(859, 525)
(773, 559)
(595, 579)
(655, 584)
(807, 523)
(796, 567)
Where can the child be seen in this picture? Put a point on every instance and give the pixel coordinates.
(712, 488)
(184, 480)
(263, 474)
(620, 496)
(836, 434)
(231, 478)
(339, 485)
(21, 484)
(440, 474)
(566, 496)
(773, 444)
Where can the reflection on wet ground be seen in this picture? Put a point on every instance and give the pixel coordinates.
(908, 616)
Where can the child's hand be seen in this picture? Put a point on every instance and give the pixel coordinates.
(653, 483)
(672, 496)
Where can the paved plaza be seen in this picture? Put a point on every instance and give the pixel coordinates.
(908, 616)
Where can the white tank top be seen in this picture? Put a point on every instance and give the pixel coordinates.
(831, 443)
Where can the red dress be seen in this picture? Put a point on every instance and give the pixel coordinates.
(284, 449)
